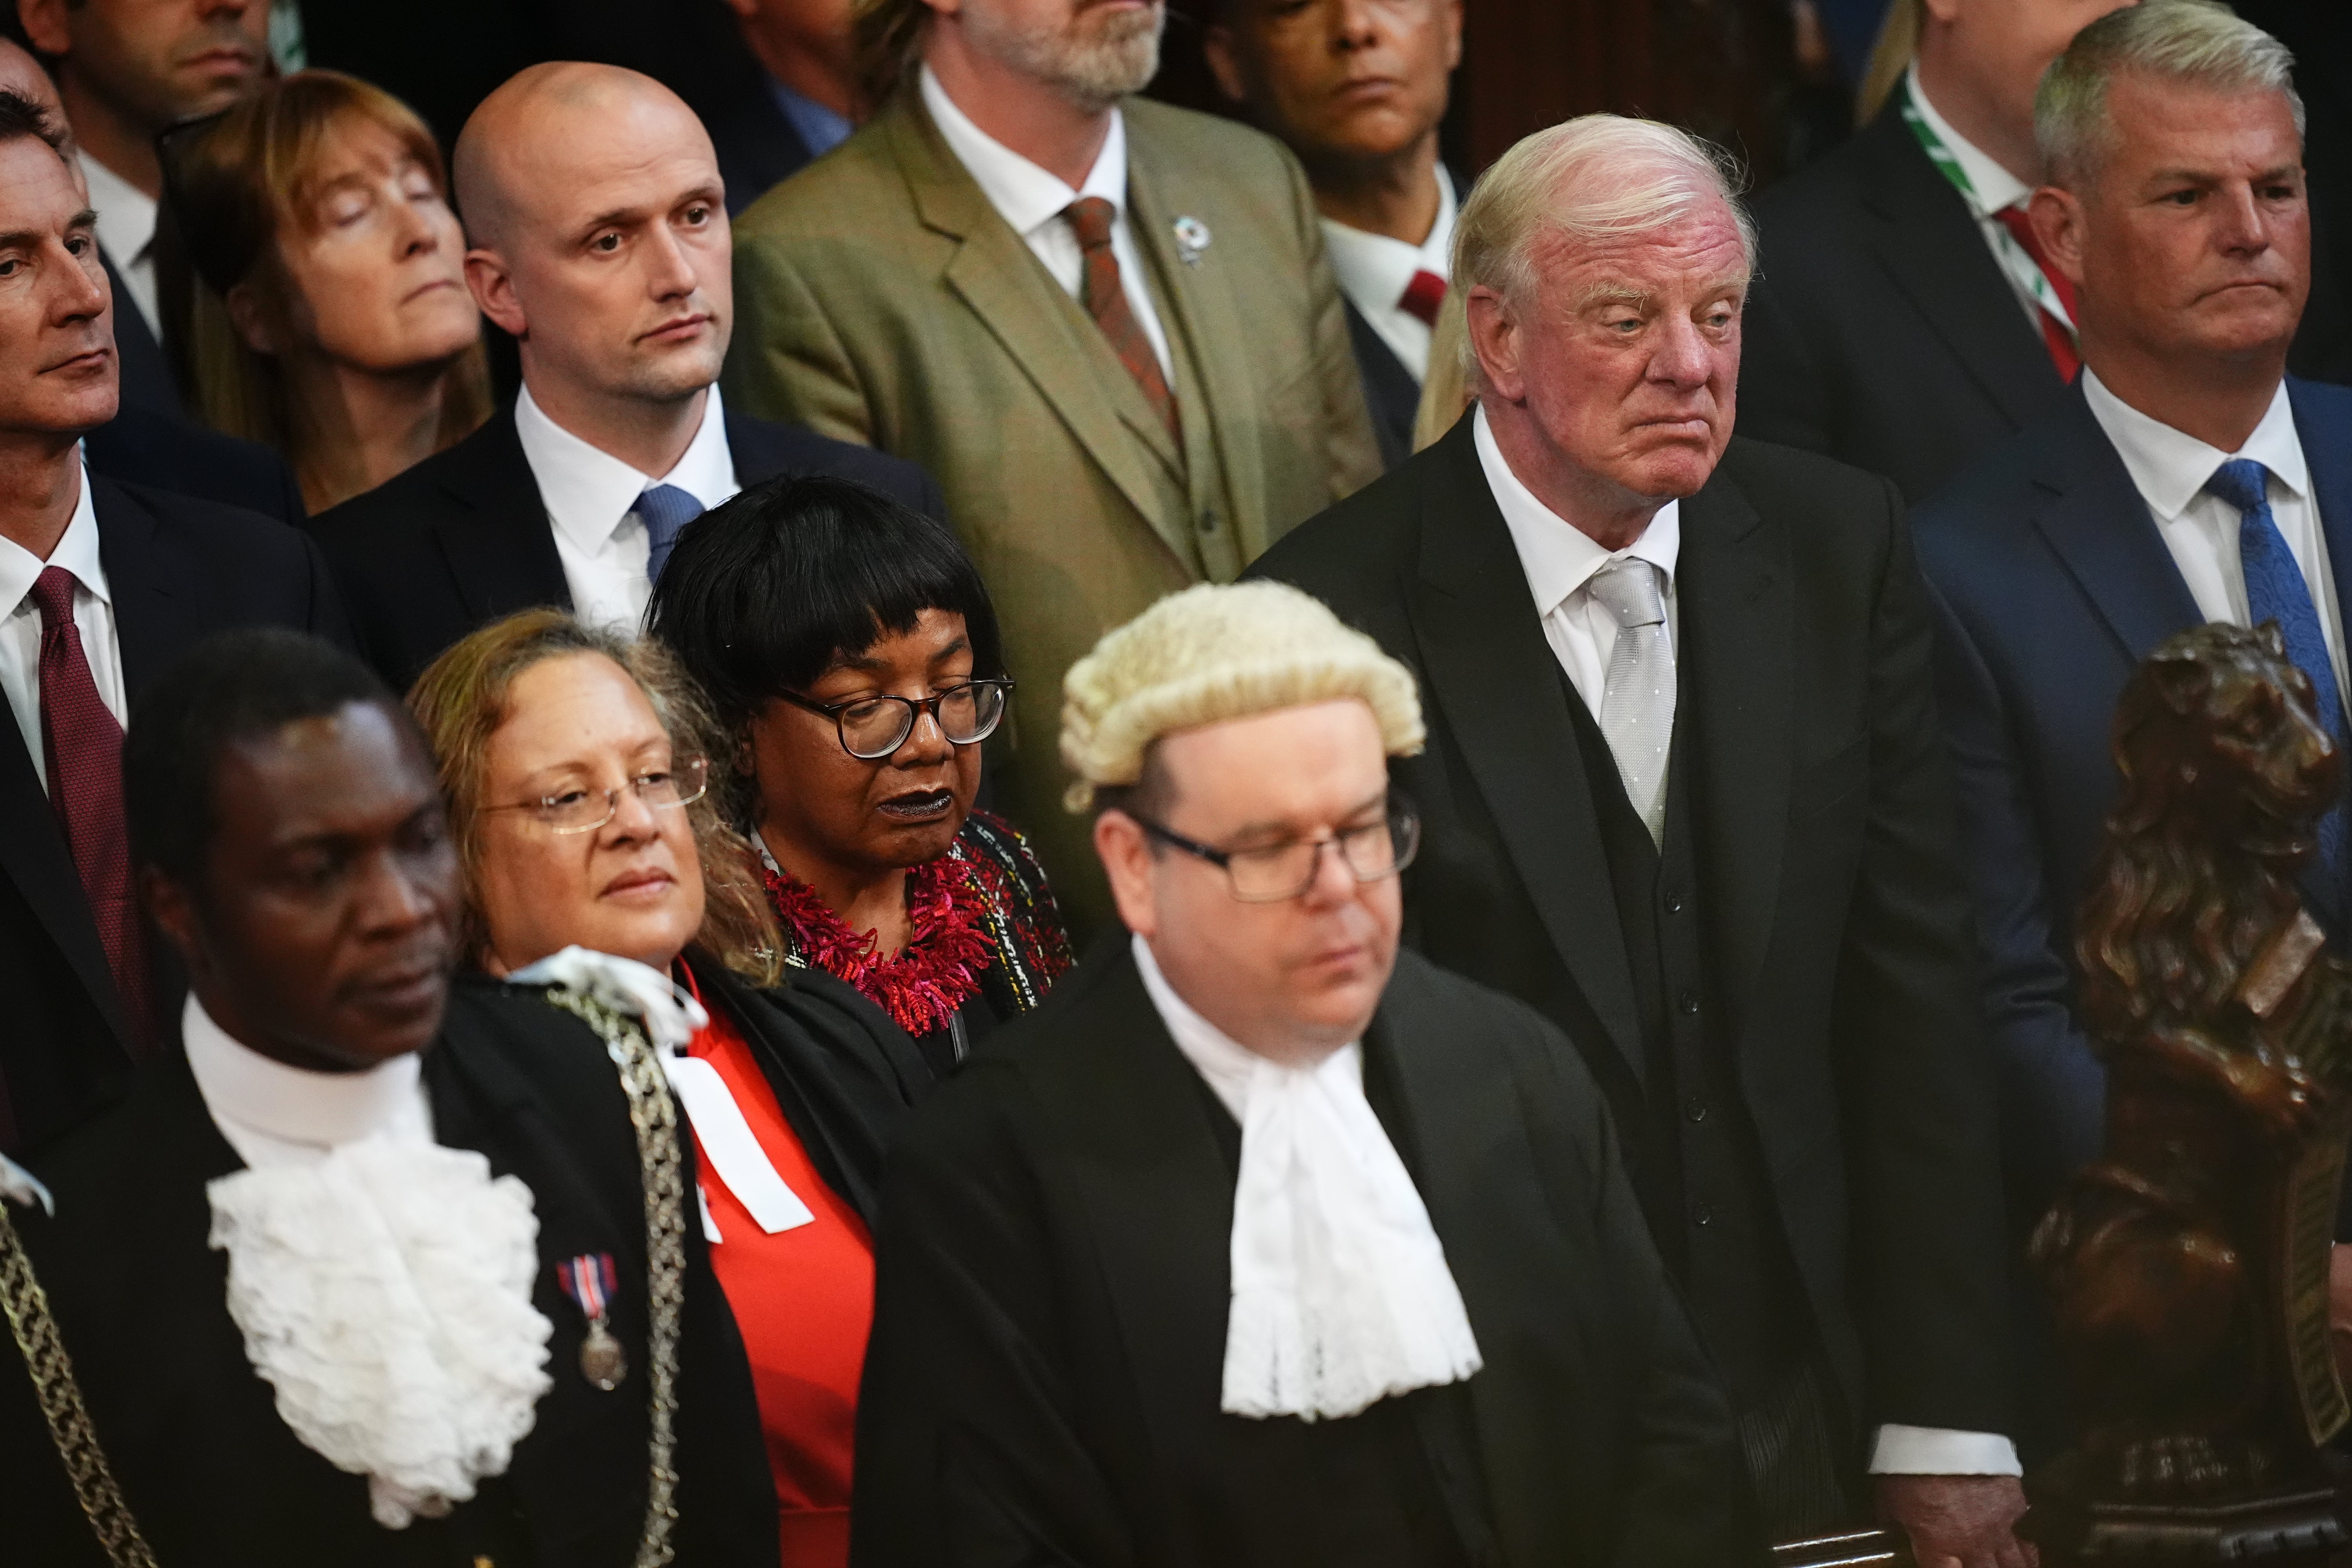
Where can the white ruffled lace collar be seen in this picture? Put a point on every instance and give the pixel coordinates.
(381, 1283)
(1342, 1295)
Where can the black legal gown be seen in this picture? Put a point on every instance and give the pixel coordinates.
(211, 1472)
(1043, 1382)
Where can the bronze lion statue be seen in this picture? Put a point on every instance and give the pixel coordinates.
(2220, 1021)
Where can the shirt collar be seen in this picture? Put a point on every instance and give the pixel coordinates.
(1995, 187)
(292, 1105)
(76, 552)
(1024, 195)
(587, 490)
(1558, 557)
(2170, 467)
(819, 129)
(126, 215)
(1226, 1065)
(1375, 267)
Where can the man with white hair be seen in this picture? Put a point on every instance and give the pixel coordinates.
(2186, 479)
(1262, 1244)
(1104, 324)
(1685, 794)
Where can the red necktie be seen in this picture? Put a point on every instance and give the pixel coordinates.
(82, 746)
(1105, 298)
(2054, 332)
(1423, 296)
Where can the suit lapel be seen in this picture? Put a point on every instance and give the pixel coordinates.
(2092, 514)
(994, 273)
(2324, 454)
(154, 620)
(1496, 681)
(33, 856)
(1931, 248)
(501, 551)
(1734, 593)
(1202, 319)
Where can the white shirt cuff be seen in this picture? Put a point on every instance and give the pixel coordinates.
(1933, 1451)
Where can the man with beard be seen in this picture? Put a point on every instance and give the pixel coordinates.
(1107, 326)
(593, 203)
(129, 69)
(370, 1270)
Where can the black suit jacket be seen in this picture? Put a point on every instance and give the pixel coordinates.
(146, 374)
(1880, 330)
(1389, 391)
(140, 446)
(214, 1476)
(1053, 1278)
(463, 539)
(1834, 908)
(179, 570)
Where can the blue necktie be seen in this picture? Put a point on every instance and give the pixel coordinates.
(665, 510)
(2276, 591)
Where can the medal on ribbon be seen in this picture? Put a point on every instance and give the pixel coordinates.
(592, 1282)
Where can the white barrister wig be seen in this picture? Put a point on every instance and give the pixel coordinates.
(1213, 653)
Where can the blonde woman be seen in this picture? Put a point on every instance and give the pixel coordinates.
(314, 283)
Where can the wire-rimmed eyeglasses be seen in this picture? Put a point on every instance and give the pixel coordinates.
(1276, 873)
(873, 727)
(579, 810)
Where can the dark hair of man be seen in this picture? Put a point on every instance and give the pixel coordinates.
(1150, 798)
(235, 686)
(762, 594)
(21, 118)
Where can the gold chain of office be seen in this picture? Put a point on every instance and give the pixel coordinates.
(653, 1115)
(35, 1330)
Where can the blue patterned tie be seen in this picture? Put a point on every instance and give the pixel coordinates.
(665, 510)
(2276, 591)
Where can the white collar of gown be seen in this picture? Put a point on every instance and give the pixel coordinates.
(1342, 1295)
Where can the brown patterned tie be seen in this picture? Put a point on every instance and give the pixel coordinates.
(1105, 298)
(83, 747)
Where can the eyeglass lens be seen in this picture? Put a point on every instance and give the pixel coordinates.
(585, 810)
(1285, 871)
(879, 726)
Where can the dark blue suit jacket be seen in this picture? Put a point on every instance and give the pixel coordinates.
(2052, 583)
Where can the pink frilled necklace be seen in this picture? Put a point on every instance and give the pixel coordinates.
(923, 983)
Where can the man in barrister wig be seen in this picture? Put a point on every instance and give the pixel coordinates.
(1261, 1242)
(370, 1268)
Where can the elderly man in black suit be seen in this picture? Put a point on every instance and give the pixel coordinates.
(1684, 793)
(102, 585)
(1905, 319)
(594, 206)
(371, 1267)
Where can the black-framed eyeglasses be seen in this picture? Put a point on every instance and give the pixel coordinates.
(586, 810)
(1276, 873)
(874, 727)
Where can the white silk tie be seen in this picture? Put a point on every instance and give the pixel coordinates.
(1637, 706)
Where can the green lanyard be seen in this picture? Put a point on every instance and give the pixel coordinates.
(2014, 258)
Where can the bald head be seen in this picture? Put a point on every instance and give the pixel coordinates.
(592, 198)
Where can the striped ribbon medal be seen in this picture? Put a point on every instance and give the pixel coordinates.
(592, 1282)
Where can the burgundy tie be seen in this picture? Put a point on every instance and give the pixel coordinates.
(1105, 298)
(82, 745)
(2055, 334)
(1423, 296)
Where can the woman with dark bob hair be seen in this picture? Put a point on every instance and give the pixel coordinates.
(850, 653)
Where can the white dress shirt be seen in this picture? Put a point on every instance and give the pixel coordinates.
(2170, 467)
(590, 498)
(1559, 561)
(274, 1115)
(126, 232)
(1374, 269)
(20, 628)
(1996, 190)
(1031, 200)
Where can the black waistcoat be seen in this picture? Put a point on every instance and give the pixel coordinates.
(1696, 1162)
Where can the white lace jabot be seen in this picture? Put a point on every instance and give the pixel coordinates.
(1342, 1295)
(381, 1282)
